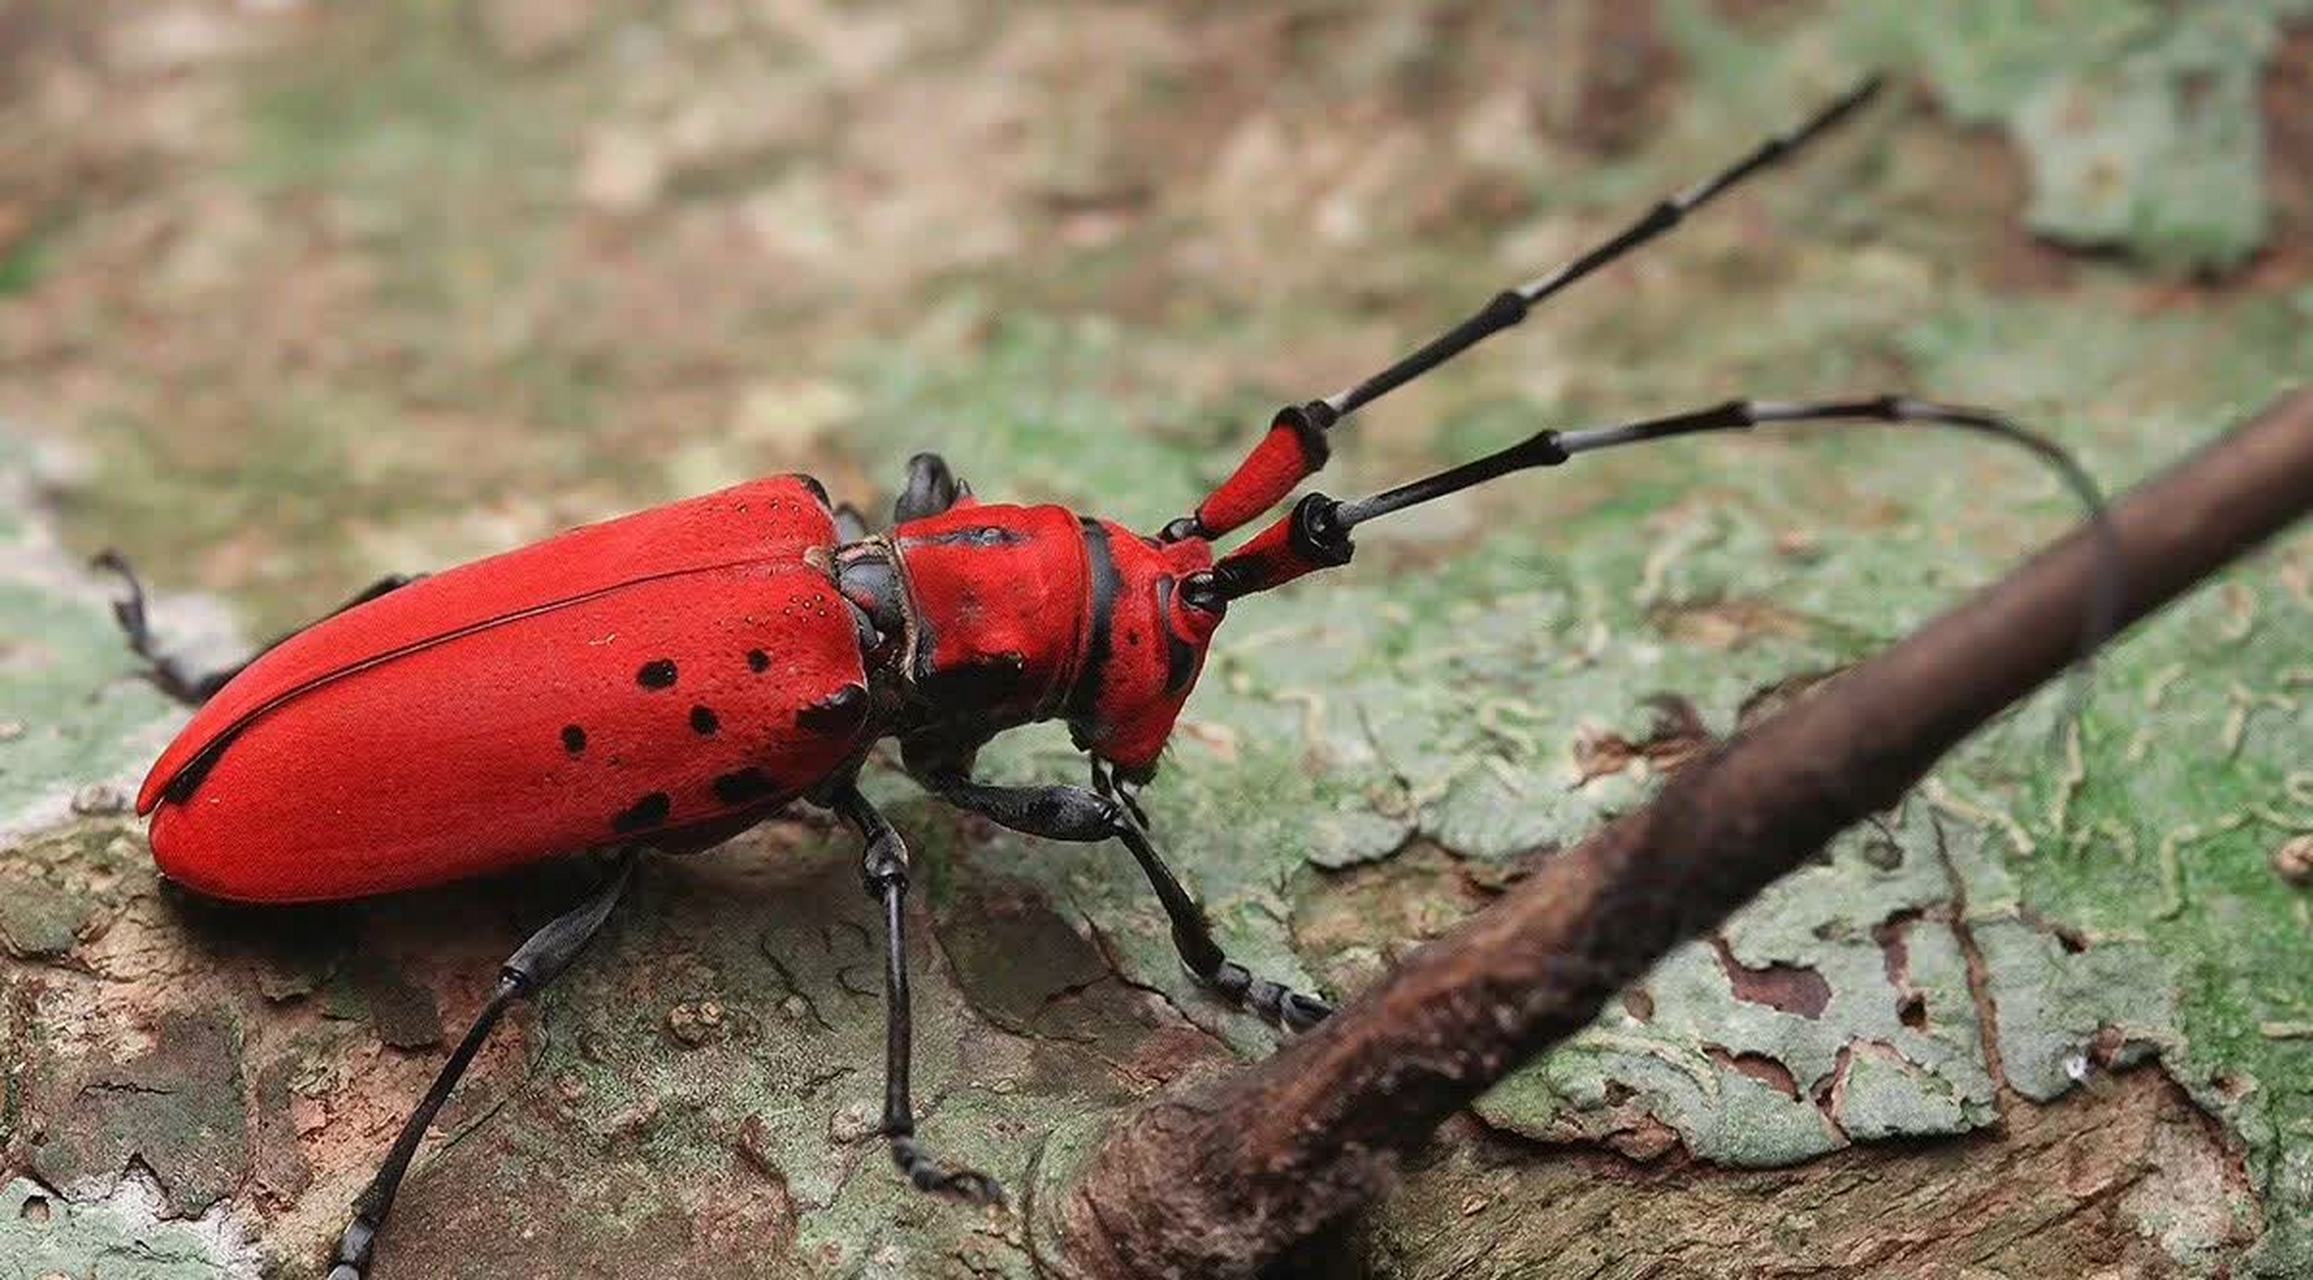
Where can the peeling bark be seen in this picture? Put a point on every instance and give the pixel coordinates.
(1222, 1180)
(2123, 1179)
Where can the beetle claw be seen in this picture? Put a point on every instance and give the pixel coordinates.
(1303, 1012)
(1272, 1002)
(353, 1249)
(973, 1187)
(128, 611)
(968, 1185)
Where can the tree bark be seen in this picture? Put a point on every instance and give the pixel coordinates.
(1224, 1179)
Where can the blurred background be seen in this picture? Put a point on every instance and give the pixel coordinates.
(295, 294)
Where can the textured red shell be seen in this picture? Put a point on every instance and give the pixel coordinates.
(1001, 598)
(670, 671)
(1031, 613)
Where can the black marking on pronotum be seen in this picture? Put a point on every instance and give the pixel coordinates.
(758, 661)
(645, 813)
(1180, 655)
(573, 739)
(1107, 584)
(818, 490)
(976, 536)
(658, 673)
(838, 712)
(745, 786)
(703, 721)
(989, 682)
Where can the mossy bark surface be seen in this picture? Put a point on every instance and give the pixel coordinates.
(326, 292)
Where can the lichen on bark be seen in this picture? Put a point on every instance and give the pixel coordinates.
(362, 295)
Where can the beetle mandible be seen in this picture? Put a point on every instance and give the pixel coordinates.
(670, 678)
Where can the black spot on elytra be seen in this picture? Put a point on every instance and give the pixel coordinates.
(703, 721)
(658, 673)
(647, 812)
(758, 661)
(838, 712)
(745, 785)
(573, 739)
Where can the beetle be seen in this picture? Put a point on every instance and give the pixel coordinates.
(667, 679)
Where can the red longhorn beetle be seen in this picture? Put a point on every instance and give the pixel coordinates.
(668, 679)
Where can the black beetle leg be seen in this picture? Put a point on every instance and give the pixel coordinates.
(885, 871)
(1074, 814)
(533, 965)
(172, 676)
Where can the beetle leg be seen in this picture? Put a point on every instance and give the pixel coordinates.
(850, 525)
(1080, 816)
(533, 965)
(931, 489)
(885, 870)
(169, 674)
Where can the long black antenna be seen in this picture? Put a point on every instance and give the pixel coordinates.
(1550, 448)
(1295, 447)
(1315, 534)
(1319, 528)
(1510, 306)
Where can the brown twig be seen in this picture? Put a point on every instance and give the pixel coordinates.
(1225, 1179)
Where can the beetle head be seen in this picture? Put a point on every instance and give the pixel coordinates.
(1151, 630)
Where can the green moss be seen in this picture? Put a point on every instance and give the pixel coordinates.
(22, 263)
(43, 1235)
(2139, 122)
(398, 97)
(71, 713)
(1031, 413)
(1456, 688)
(1343, 717)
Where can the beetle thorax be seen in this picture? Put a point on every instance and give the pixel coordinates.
(1020, 614)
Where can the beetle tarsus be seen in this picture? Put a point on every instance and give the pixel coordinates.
(1272, 1001)
(354, 1249)
(165, 673)
(537, 962)
(927, 1174)
(173, 677)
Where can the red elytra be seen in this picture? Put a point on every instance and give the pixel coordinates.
(524, 705)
